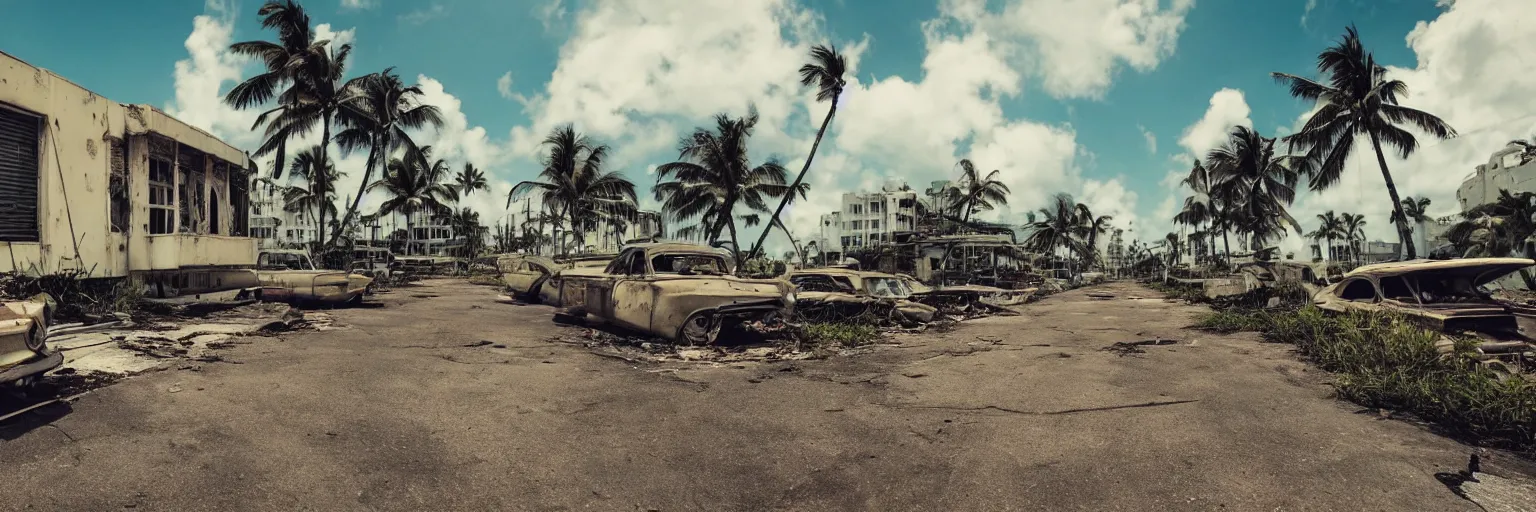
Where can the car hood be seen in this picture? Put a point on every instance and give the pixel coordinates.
(1478, 271)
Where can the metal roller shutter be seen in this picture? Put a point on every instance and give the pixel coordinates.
(18, 176)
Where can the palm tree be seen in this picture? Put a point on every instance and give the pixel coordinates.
(1358, 100)
(574, 185)
(1498, 229)
(466, 222)
(1171, 241)
(1055, 228)
(1200, 208)
(1415, 209)
(714, 176)
(1352, 227)
(470, 179)
(382, 120)
(1088, 230)
(826, 71)
(1329, 227)
(317, 192)
(973, 192)
(313, 71)
(1256, 183)
(285, 61)
(414, 187)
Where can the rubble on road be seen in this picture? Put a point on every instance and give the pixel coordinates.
(641, 350)
(160, 340)
(1124, 348)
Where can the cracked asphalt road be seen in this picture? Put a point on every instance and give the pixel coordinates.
(402, 411)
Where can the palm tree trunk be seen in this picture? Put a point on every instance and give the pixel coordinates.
(1397, 204)
(798, 251)
(735, 249)
(373, 154)
(325, 157)
(831, 111)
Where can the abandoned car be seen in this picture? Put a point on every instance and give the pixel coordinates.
(825, 294)
(290, 276)
(1443, 295)
(24, 351)
(681, 292)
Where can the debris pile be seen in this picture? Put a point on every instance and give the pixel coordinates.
(641, 350)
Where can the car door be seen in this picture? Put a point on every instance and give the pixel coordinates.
(523, 277)
(600, 297)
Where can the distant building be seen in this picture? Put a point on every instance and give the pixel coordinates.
(644, 224)
(1511, 168)
(273, 226)
(867, 219)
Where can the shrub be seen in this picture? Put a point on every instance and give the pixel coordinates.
(1385, 361)
(838, 335)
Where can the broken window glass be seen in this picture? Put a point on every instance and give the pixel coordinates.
(117, 185)
(162, 208)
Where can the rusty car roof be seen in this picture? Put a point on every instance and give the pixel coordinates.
(1403, 267)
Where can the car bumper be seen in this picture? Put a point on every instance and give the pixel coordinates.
(36, 367)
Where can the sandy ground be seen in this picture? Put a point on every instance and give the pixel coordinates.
(397, 410)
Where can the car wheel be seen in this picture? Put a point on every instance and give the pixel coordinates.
(700, 329)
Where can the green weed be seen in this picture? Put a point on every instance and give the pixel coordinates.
(837, 335)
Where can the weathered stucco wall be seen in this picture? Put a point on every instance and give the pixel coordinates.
(74, 214)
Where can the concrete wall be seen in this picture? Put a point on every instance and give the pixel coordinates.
(75, 232)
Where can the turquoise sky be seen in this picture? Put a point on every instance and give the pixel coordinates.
(128, 51)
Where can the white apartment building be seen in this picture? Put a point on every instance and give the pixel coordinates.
(868, 219)
(271, 226)
(1511, 168)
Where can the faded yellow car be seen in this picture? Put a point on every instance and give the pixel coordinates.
(859, 287)
(524, 275)
(680, 292)
(1444, 295)
(24, 351)
(290, 276)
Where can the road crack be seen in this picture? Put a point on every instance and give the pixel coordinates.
(999, 408)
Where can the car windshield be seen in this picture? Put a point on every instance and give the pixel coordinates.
(286, 261)
(1447, 288)
(686, 264)
(886, 287)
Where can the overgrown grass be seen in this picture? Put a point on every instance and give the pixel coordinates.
(1234, 320)
(1177, 290)
(1385, 361)
(840, 335)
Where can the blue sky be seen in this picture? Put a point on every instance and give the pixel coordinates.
(1066, 96)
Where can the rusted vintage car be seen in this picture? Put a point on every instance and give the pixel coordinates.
(24, 351)
(681, 292)
(825, 294)
(290, 276)
(524, 274)
(1443, 295)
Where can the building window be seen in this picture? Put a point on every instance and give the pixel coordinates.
(19, 170)
(874, 207)
(856, 209)
(239, 203)
(162, 209)
(845, 242)
(874, 224)
(117, 185)
(190, 171)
